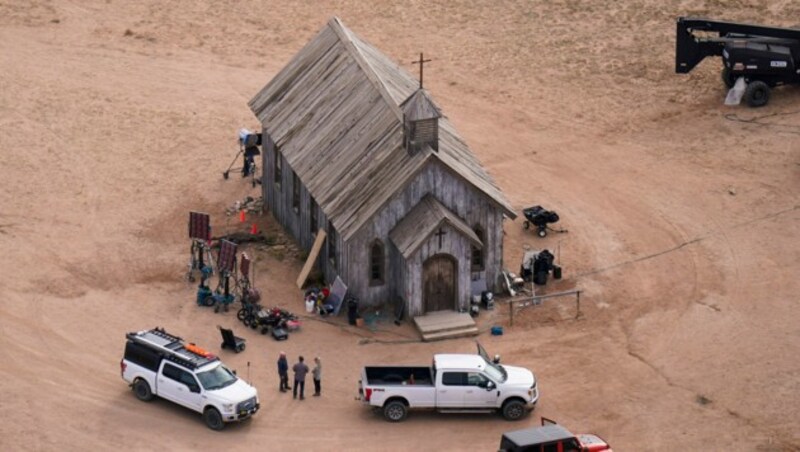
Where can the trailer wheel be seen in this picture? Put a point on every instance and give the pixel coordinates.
(526, 224)
(208, 301)
(241, 314)
(142, 390)
(727, 78)
(395, 411)
(213, 419)
(513, 410)
(756, 94)
(542, 232)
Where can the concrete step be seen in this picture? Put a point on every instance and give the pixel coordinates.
(450, 334)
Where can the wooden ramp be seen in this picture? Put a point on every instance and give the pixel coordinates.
(440, 325)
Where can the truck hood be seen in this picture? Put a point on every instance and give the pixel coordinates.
(235, 393)
(519, 376)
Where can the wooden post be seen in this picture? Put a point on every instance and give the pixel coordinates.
(511, 310)
(578, 300)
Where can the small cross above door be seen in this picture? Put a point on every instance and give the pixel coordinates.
(440, 234)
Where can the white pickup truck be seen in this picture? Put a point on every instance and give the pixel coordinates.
(157, 363)
(454, 384)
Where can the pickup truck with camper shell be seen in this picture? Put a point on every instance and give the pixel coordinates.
(157, 363)
(551, 437)
(455, 383)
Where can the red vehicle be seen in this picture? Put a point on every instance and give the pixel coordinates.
(550, 437)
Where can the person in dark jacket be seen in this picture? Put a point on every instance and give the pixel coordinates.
(283, 372)
(300, 370)
(317, 375)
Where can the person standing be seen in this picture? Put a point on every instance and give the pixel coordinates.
(283, 372)
(317, 374)
(300, 370)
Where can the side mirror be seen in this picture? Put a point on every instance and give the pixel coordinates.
(234, 372)
(496, 359)
(194, 388)
(489, 385)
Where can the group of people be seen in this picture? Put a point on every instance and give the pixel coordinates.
(300, 370)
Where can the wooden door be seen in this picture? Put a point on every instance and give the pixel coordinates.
(439, 283)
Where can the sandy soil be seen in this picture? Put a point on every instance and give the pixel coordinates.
(118, 118)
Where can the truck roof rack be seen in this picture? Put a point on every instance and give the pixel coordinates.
(172, 348)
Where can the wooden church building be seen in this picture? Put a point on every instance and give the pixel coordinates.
(353, 146)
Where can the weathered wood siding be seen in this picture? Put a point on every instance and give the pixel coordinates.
(452, 191)
(279, 202)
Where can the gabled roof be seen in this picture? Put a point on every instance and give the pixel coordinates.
(418, 224)
(333, 111)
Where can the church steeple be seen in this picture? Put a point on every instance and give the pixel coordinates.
(421, 122)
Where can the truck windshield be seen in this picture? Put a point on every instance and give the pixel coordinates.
(495, 371)
(216, 378)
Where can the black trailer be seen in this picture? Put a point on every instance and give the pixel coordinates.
(540, 217)
(765, 56)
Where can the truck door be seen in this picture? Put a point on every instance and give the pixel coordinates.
(479, 392)
(177, 385)
(450, 392)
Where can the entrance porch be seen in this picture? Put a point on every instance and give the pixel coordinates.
(440, 325)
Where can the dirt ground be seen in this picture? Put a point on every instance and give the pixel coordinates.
(117, 118)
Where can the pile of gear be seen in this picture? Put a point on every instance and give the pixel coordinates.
(235, 283)
(537, 265)
(279, 322)
(315, 301)
(485, 299)
(249, 204)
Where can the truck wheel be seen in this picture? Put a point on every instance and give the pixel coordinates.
(727, 78)
(756, 94)
(213, 419)
(395, 411)
(142, 390)
(513, 410)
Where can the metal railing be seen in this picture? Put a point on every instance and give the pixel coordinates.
(534, 300)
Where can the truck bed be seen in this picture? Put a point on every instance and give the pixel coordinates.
(390, 375)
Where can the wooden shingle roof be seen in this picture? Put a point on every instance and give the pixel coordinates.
(334, 113)
(427, 216)
(420, 106)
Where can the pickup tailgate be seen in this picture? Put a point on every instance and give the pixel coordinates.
(361, 384)
(130, 371)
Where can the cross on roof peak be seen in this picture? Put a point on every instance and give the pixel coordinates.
(421, 63)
